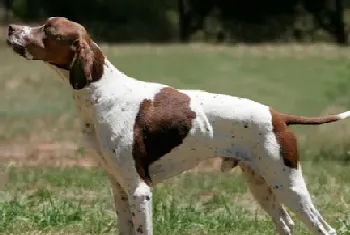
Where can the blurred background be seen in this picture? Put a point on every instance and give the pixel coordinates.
(249, 21)
(292, 55)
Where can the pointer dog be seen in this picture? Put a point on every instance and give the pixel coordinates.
(144, 132)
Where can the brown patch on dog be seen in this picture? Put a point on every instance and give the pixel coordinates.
(86, 65)
(286, 139)
(161, 125)
(98, 62)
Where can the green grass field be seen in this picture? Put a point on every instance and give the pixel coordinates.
(305, 80)
(79, 201)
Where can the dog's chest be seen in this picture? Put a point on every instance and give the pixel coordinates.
(84, 106)
(108, 116)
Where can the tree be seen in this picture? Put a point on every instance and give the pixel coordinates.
(184, 21)
(329, 15)
(340, 34)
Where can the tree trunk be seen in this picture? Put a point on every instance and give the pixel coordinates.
(7, 8)
(184, 22)
(340, 33)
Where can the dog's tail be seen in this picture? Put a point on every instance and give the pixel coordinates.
(300, 120)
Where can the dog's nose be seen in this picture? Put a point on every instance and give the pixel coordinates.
(11, 29)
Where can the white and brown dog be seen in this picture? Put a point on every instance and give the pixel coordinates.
(144, 133)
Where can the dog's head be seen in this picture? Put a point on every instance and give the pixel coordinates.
(62, 43)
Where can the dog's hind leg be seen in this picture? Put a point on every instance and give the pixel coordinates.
(268, 201)
(296, 196)
(330, 230)
(279, 164)
(264, 195)
(290, 188)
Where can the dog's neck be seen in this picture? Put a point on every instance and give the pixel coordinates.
(110, 75)
(102, 68)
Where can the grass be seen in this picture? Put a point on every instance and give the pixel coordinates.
(306, 80)
(78, 200)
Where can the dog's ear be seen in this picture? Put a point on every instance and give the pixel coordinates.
(81, 66)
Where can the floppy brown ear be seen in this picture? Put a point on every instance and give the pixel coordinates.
(81, 66)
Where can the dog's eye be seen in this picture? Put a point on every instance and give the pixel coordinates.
(46, 29)
(48, 32)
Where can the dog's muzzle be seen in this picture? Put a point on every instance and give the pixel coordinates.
(19, 49)
(15, 42)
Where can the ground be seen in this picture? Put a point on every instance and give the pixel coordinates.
(39, 132)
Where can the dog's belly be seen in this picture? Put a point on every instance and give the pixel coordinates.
(231, 138)
(180, 159)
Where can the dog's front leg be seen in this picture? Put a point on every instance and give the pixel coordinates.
(121, 201)
(141, 208)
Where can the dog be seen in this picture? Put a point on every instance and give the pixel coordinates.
(144, 132)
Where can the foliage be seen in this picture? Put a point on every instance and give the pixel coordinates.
(211, 20)
(133, 20)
